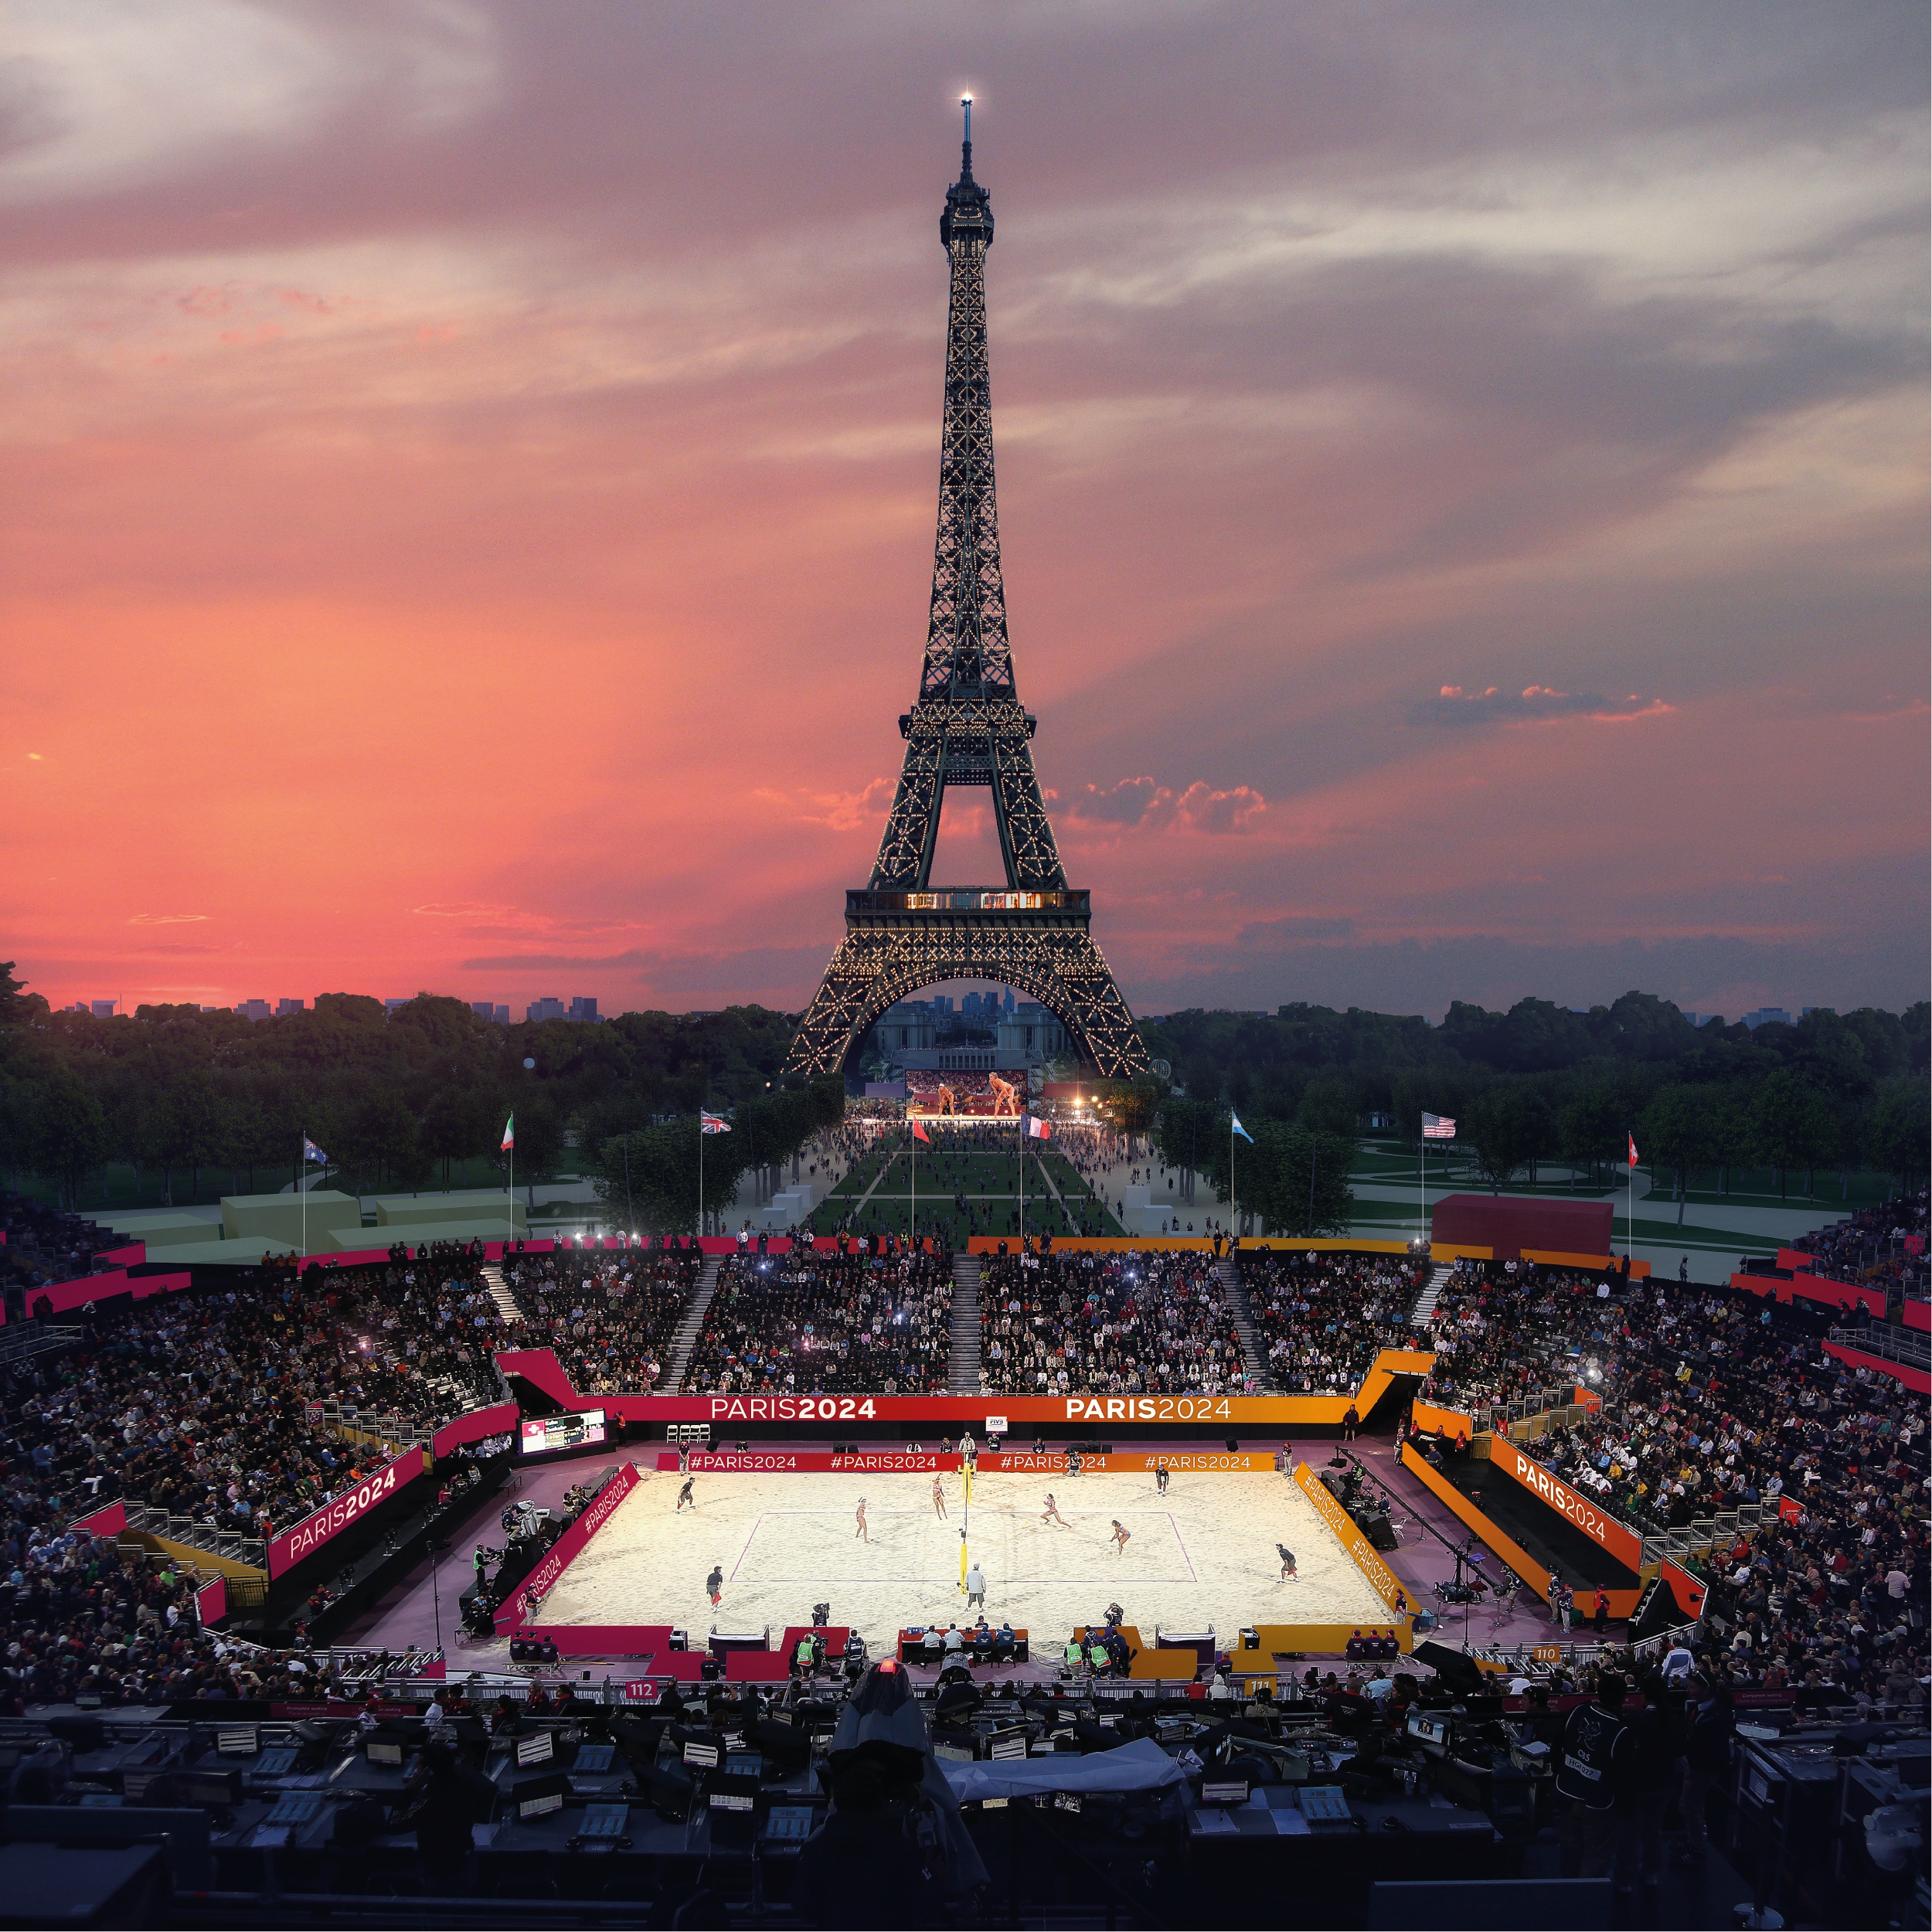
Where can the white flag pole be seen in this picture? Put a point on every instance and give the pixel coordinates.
(1422, 1181)
(301, 1188)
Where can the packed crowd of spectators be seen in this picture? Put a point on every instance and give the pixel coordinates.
(1504, 1331)
(1133, 1323)
(1323, 1317)
(610, 1317)
(80, 1618)
(1712, 1400)
(1876, 1247)
(826, 1323)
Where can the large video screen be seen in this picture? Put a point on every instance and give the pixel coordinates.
(580, 1430)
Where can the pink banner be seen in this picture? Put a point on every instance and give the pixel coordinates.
(499, 1419)
(109, 1522)
(565, 1550)
(308, 1535)
(211, 1600)
(1918, 1314)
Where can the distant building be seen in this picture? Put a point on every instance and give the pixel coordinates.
(102, 1008)
(544, 1008)
(253, 1009)
(503, 1016)
(211, 1010)
(483, 1009)
(395, 1005)
(284, 1006)
(1031, 1029)
(907, 1025)
(582, 1009)
(1767, 1016)
(1805, 1012)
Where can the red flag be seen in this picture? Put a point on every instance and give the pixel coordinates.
(1632, 1139)
(920, 1133)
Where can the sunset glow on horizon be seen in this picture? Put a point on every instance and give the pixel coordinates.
(471, 474)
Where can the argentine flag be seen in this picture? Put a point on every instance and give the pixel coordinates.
(1239, 1129)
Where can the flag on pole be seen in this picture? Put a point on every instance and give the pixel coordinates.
(313, 1153)
(1632, 1139)
(712, 1123)
(1038, 1130)
(1239, 1129)
(1438, 1126)
(920, 1133)
(509, 1135)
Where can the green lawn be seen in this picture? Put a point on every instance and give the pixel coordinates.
(960, 1193)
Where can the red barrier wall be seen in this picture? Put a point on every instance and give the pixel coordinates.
(1817, 1289)
(211, 1600)
(308, 1535)
(566, 1549)
(497, 1418)
(109, 1522)
(886, 1462)
(64, 1296)
(600, 1640)
(1918, 1314)
(541, 1368)
(1900, 1372)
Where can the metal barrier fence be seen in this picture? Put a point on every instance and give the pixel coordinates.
(1890, 1343)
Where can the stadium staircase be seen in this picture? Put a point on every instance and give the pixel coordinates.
(962, 1367)
(1431, 1294)
(1252, 1352)
(692, 1326)
(500, 1292)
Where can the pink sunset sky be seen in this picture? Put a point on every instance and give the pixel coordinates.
(471, 474)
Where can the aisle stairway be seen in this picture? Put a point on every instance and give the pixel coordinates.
(692, 1326)
(1431, 1294)
(1253, 1354)
(962, 1374)
(492, 1273)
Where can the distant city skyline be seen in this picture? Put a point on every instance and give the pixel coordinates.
(473, 470)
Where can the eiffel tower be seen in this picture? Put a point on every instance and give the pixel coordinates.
(967, 727)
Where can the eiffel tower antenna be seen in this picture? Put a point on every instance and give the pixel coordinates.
(967, 727)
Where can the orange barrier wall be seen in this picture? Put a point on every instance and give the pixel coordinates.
(1382, 1580)
(1623, 1603)
(1591, 1518)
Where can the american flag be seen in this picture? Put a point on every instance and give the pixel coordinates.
(714, 1123)
(1438, 1126)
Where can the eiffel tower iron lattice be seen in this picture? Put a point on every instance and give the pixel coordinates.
(967, 727)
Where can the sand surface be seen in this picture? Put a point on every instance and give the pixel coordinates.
(1202, 1554)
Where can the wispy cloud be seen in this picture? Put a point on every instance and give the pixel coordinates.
(1454, 705)
(166, 919)
(1132, 803)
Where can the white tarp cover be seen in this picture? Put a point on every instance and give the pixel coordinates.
(1141, 1765)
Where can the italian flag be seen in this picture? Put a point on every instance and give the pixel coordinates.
(509, 1135)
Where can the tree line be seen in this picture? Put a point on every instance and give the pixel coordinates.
(397, 1098)
(1539, 1084)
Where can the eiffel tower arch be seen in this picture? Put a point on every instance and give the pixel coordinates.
(967, 727)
